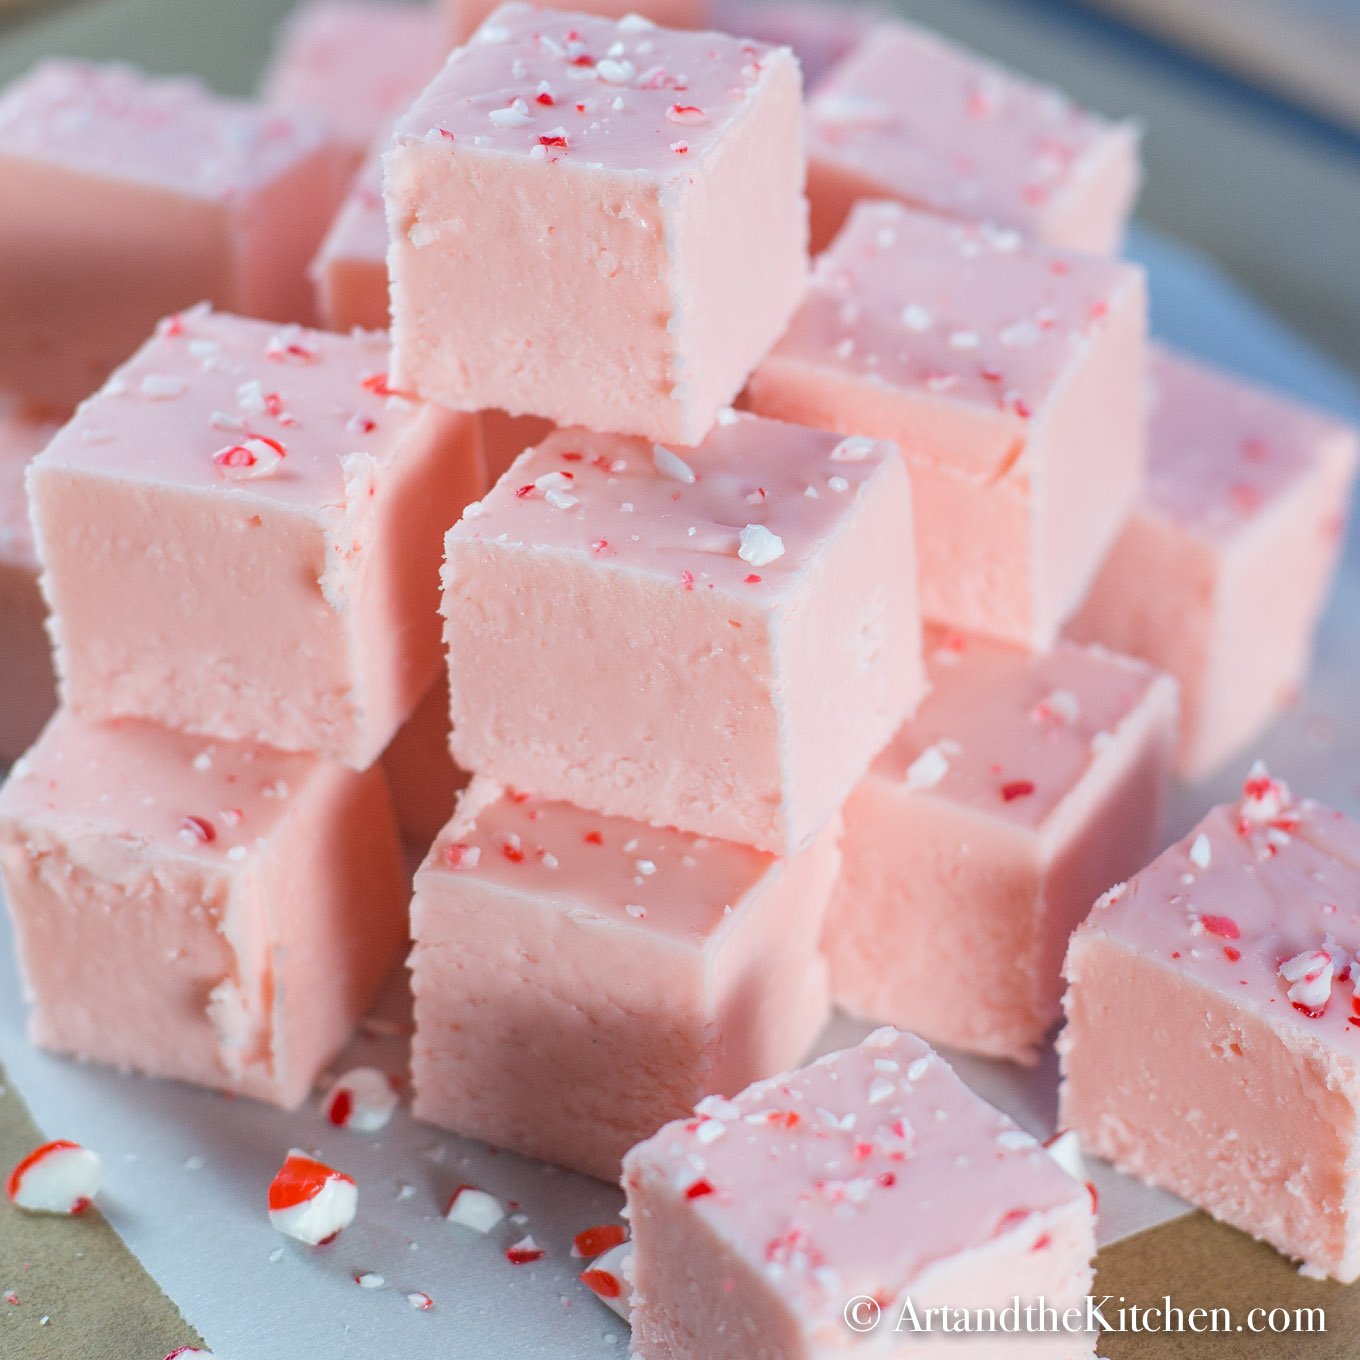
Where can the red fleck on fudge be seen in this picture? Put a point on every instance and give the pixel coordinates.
(220, 913)
(240, 536)
(1022, 789)
(874, 1177)
(124, 198)
(910, 116)
(1223, 568)
(1213, 1027)
(580, 979)
(717, 639)
(1011, 377)
(601, 223)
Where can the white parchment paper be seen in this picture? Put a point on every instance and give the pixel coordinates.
(187, 1169)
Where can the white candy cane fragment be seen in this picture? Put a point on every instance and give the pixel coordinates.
(1309, 975)
(1065, 1149)
(255, 456)
(605, 1278)
(470, 1207)
(310, 1201)
(759, 546)
(60, 1177)
(362, 1100)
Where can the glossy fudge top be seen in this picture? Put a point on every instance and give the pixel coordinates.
(945, 128)
(1220, 450)
(115, 123)
(964, 312)
(211, 400)
(148, 786)
(21, 437)
(624, 95)
(1261, 902)
(1010, 733)
(609, 869)
(747, 510)
(359, 65)
(858, 1173)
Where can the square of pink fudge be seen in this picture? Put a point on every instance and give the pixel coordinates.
(718, 639)
(1022, 789)
(1212, 1043)
(1010, 375)
(910, 116)
(820, 34)
(466, 15)
(220, 913)
(872, 1174)
(240, 536)
(27, 684)
(421, 776)
(349, 272)
(124, 198)
(1223, 568)
(356, 64)
(580, 980)
(595, 222)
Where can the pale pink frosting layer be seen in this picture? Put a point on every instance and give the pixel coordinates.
(909, 115)
(125, 198)
(873, 1171)
(219, 913)
(664, 170)
(1233, 957)
(1222, 571)
(297, 605)
(465, 16)
(1022, 789)
(755, 599)
(997, 366)
(356, 64)
(546, 936)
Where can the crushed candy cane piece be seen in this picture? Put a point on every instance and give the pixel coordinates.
(362, 1100)
(472, 1208)
(606, 1279)
(310, 1201)
(1309, 975)
(759, 546)
(671, 465)
(598, 1240)
(524, 1252)
(60, 1177)
(258, 456)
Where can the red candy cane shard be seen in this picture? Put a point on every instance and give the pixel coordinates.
(310, 1201)
(60, 1177)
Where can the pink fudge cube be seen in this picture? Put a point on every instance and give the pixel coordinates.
(27, 685)
(580, 980)
(240, 536)
(910, 116)
(355, 63)
(349, 272)
(1023, 788)
(820, 34)
(1223, 568)
(124, 198)
(465, 16)
(218, 913)
(1010, 375)
(421, 776)
(717, 639)
(1211, 1040)
(599, 223)
(872, 1174)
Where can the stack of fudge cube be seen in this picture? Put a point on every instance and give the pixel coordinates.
(826, 636)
